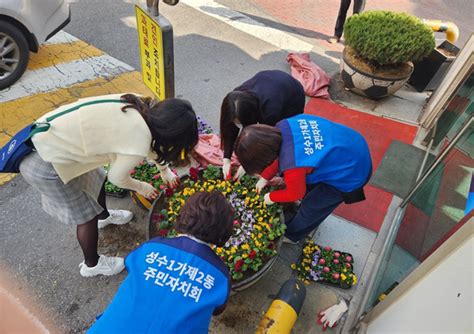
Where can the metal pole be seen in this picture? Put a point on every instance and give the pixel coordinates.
(438, 160)
(153, 7)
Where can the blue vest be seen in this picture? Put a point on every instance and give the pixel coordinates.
(173, 286)
(338, 155)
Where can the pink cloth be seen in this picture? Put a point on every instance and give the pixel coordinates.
(313, 78)
(208, 151)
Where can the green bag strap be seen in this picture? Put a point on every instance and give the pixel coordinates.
(44, 126)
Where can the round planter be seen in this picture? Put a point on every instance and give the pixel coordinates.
(236, 286)
(367, 84)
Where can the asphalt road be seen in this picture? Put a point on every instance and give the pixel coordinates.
(208, 59)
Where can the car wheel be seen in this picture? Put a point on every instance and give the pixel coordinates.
(14, 54)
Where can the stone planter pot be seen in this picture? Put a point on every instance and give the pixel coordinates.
(237, 286)
(367, 84)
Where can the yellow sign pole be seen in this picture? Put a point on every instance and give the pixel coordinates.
(155, 37)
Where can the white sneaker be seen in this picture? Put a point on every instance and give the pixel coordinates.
(107, 265)
(117, 217)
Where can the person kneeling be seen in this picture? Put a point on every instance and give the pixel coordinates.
(175, 285)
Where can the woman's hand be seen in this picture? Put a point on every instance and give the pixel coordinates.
(239, 174)
(226, 169)
(148, 191)
(267, 199)
(262, 183)
(169, 177)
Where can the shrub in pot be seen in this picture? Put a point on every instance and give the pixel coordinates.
(380, 49)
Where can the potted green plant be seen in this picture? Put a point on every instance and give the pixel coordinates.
(380, 49)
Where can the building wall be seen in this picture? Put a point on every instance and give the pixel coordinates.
(440, 302)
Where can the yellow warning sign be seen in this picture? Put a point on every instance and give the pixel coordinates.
(150, 39)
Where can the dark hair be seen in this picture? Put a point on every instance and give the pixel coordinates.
(241, 105)
(257, 147)
(207, 216)
(172, 123)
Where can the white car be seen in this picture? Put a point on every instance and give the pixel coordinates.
(24, 25)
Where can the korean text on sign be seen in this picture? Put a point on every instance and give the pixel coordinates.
(151, 53)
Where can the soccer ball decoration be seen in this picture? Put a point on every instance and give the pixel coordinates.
(367, 85)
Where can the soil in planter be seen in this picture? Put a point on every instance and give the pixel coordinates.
(388, 71)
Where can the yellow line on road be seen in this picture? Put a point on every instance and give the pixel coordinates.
(53, 54)
(16, 114)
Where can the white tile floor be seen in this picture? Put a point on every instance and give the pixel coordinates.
(345, 236)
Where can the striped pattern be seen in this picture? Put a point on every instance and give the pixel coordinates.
(250, 26)
(64, 70)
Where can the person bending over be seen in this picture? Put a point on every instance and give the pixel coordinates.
(119, 130)
(175, 285)
(266, 98)
(323, 164)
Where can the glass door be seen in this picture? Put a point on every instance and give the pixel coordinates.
(437, 204)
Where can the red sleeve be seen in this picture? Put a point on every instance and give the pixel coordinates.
(270, 171)
(295, 181)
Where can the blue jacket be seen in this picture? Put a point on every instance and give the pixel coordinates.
(338, 155)
(173, 286)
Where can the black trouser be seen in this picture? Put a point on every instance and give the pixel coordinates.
(341, 17)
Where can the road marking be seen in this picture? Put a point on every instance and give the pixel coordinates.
(61, 37)
(50, 78)
(250, 26)
(54, 54)
(15, 114)
(64, 70)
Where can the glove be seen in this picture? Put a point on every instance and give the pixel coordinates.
(239, 174)
(262, 183)
(330, 316)
(148, 191)
(169, 177)
(226, 169)
(267, 199)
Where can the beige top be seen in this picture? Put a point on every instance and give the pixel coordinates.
(94, 136)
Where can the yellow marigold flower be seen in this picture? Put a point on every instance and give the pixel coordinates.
(244, 256)
(293, 266)
(343, 277)
(260, 236)
(245, 247)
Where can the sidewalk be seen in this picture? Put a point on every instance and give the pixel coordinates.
(316, 18)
